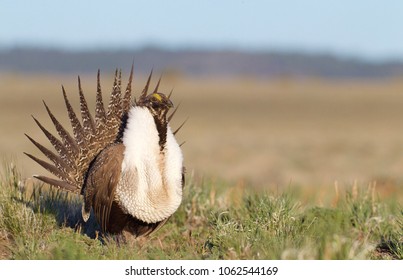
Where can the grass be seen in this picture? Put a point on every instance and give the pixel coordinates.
(216, 220)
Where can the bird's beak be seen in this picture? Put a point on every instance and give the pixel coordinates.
(169, 103)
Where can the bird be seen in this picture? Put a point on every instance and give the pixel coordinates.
(125, 161)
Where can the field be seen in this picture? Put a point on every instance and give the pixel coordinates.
(288, 168)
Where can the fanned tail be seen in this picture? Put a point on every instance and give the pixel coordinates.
(74, 154)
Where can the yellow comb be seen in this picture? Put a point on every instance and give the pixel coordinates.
(157, 96)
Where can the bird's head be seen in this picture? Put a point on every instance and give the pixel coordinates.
(158, 103)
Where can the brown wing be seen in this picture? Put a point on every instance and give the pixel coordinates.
(102, 180)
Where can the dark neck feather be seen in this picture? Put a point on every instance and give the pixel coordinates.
(162, 127)
(119, 137)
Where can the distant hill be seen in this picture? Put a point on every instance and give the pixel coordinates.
(196, 62)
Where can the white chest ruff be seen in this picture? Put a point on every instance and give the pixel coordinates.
(150, 188)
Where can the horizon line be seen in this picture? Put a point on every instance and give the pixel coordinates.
(207, 48)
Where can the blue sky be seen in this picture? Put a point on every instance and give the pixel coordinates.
(367, 29)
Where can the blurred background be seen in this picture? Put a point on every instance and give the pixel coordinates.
(278, 93)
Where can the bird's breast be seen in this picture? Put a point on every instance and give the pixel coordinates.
(150, 187)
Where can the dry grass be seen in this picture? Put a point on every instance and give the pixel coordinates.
(276, 133)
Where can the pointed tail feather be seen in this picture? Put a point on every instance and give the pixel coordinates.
(115, 106)
(75, 123)
(61, 148)
(114, 113)
(88, 121)
(177, 130)
(51, 168)
(128, 93)
(173, 113)
(158, 85)
(170, 93)
(100, 114)
(58, 183)
(57, 160)
(145, 90)
(67, 139)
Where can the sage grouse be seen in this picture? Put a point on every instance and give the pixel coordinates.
(125, 162)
